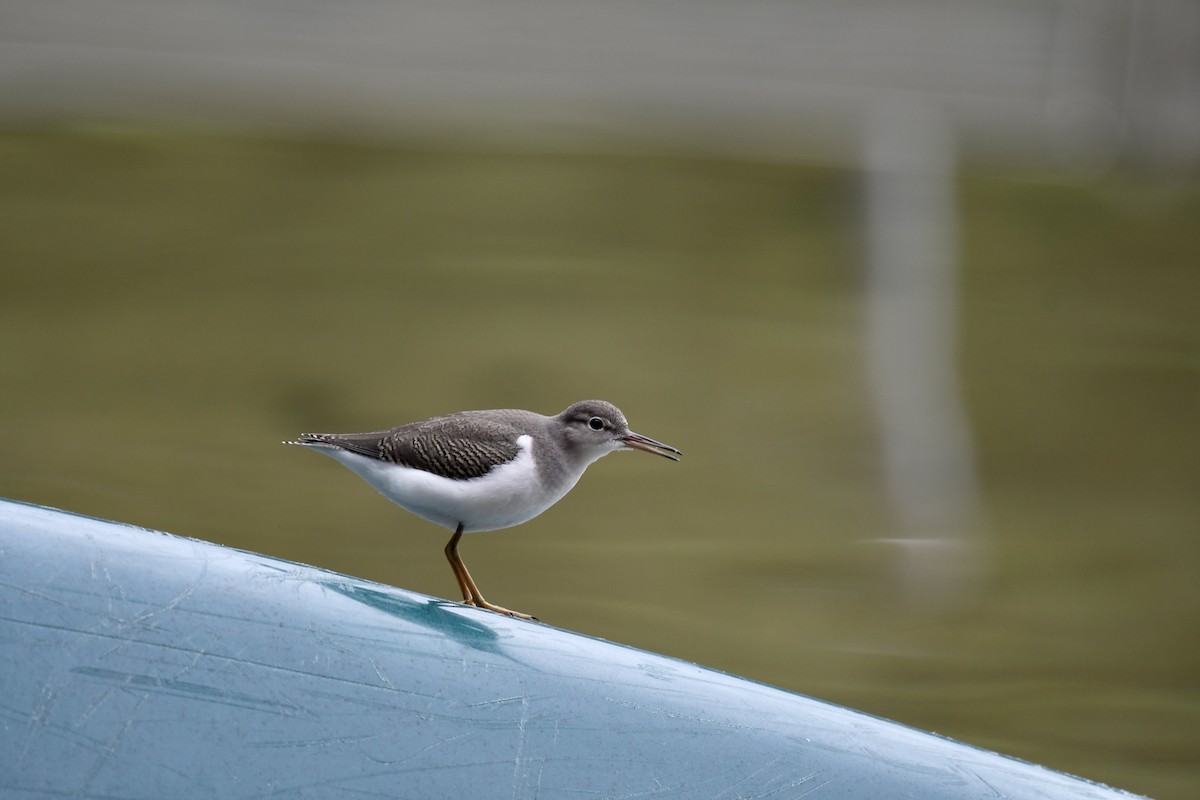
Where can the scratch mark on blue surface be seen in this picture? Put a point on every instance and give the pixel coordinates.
(523, 699)
(679, 788)
(40, 716)
(113, 745)
(801, 781)
(39, 596)
(287, 744)
(439, 744)
(973, 776)
(330, 642)
(98, 700)
(383, 678)
(343, 782)
(174, 602)
(778, 770)
(672, 714)
(520, 772)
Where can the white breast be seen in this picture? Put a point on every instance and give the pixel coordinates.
(506, 496)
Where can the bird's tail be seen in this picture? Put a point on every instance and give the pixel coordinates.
(312, 440)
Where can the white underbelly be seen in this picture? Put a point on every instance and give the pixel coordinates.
(506, 496)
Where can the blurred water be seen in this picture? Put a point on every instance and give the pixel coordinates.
(173, 305)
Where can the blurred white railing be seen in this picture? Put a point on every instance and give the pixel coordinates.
(1059, 82)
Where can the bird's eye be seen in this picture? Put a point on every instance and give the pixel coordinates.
(596, 424)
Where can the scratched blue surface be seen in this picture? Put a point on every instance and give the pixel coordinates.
(136, 664)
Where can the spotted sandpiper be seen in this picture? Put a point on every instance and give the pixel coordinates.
(484, 470)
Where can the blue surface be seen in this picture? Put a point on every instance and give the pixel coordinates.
(136, 664)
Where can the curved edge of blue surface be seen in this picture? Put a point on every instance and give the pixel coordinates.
(138, 664)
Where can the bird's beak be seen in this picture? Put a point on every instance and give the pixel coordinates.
(638, 442)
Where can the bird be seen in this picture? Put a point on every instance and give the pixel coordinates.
(484, 470)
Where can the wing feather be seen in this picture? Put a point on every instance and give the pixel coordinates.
(457, 446)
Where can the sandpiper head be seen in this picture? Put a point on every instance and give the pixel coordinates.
(599, 427)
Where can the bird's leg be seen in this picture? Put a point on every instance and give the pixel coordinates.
(471, 594)
(457, 566)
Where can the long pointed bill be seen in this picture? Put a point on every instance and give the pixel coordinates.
(638, 442)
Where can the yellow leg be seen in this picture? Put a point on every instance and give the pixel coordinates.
(471, 594)
(457, 566)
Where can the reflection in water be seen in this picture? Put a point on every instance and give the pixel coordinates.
(911, 337)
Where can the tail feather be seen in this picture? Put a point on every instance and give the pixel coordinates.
(312, 440)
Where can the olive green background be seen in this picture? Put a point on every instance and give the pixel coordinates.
(175, 304)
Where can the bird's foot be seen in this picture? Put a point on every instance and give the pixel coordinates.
(479, 602)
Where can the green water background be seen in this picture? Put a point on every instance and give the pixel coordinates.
(172, 305)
